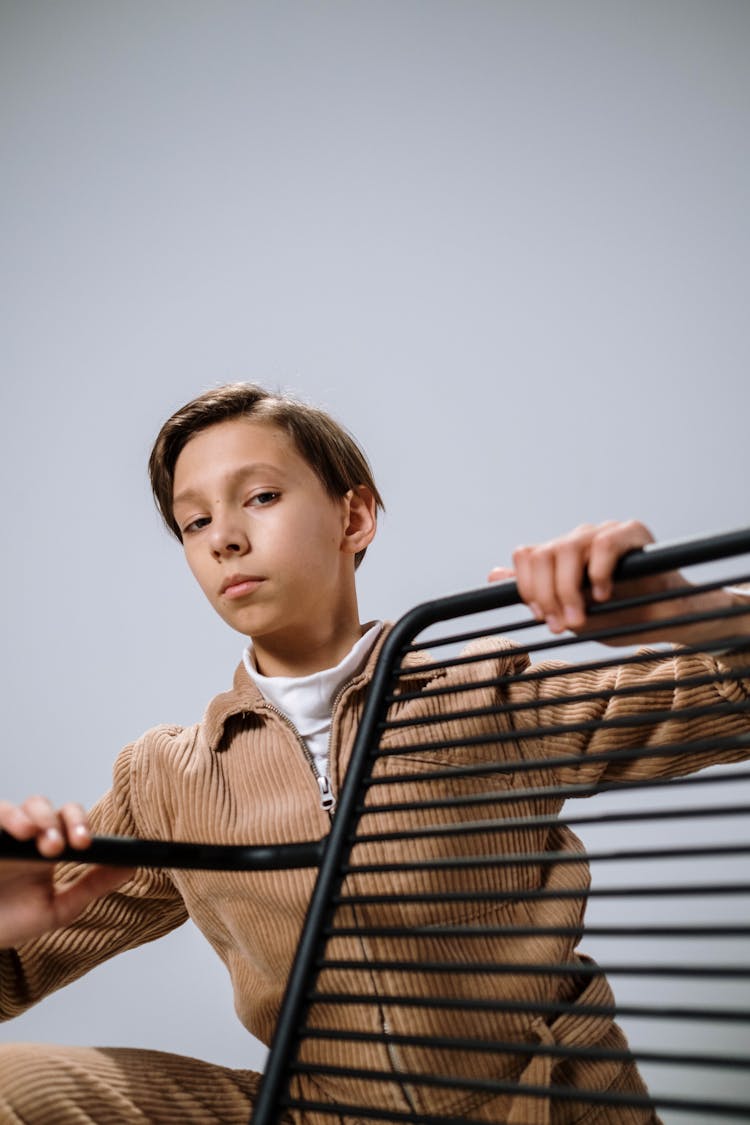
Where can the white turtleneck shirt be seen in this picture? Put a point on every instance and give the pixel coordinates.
(308, 701)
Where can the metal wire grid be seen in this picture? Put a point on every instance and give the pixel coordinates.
(423, 941)
(420, 994)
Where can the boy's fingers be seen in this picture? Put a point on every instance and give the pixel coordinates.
(53, 829)
(49, 826)
(15, 821)
(522, 565)
(41, 811)
(522, 561)
(611, 542)
(570, 566)
(48, 831)
(550, 576)
(76, 825)
(535, 569)
(500, 574)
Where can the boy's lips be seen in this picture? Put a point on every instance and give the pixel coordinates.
(237, 585)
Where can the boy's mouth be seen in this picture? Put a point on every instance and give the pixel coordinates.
(238, 585)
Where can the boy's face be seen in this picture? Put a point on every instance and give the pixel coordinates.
(271, 550)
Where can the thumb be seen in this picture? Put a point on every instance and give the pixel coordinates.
(501, 574)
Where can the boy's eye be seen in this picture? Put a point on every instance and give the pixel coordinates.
(196, 525)
(262, 498)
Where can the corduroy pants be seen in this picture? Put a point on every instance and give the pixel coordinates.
(49, 1085)
(45, 1085)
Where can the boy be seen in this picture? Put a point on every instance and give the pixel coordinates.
(275, 507)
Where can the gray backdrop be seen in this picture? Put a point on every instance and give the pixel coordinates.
(505, 243)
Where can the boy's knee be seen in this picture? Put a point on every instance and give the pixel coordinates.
(18, 1062)
(22, 1073)
(40, 1083)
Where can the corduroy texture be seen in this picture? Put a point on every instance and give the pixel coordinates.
(43, 1085)
(241, 777)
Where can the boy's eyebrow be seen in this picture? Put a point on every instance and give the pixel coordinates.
(245, 471)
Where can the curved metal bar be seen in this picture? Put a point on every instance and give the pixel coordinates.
(655, 558)
(124, 851)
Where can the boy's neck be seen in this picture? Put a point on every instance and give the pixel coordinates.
(302, 656)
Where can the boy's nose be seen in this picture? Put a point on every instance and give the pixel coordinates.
(227, 550)
(227, 539)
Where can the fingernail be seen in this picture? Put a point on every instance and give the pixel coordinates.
(599, 593)
(553, 624)
(80, 831)
(53, 835)
(572, 616)
(536, 610)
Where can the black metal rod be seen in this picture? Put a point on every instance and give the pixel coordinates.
(559, 672)
(556, 730)
(691, 890)
(542, 859)
(633, 753)
(655, 558)
(542, 702)
(487, 769)
(702, 1014)
(646, 931)
(572, 792)
(341, 1111)
(540, 969)
(614, 604)
(513, 824)
(611, 633)
(513, 1047)
(559, 1093)
(126, 851)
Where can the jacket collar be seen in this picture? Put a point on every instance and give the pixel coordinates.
(245, 698)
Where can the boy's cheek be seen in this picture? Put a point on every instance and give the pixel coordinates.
(200, 577)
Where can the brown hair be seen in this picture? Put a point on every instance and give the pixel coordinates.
(330, 451)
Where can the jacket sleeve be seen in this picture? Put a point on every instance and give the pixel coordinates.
(634, 721)
(146, 907)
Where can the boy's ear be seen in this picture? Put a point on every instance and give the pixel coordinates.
(361, 519)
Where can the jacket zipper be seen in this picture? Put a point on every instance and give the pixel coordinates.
(327, 796)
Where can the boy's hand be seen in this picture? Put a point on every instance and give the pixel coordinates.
(30, 903)
(550, 575)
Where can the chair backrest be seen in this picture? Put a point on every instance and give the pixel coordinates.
(438, 976)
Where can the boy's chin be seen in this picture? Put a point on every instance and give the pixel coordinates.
(244, 627)
(251, 624)
(243, 623)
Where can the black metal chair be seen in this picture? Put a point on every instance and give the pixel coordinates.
(667, 909)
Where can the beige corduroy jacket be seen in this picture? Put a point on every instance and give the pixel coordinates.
(241, 776)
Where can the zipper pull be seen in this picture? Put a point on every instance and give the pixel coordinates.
(327, 799)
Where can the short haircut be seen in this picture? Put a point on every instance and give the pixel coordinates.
(329, 450)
